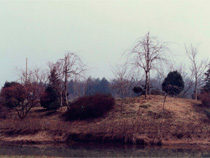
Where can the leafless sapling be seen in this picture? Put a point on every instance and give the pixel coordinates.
(197, 68)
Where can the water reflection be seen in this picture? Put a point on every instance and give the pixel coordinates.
(92, 150)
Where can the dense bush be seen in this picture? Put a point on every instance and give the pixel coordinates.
(90, 107)
(138, 90)
(173, 83)
(205, 98)
(156, 91)
(9, 84)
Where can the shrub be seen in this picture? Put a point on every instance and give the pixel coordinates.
(173, 83)
(12, 94)
(205, 98)
(20, 97)
(137, 90)
(4, 112)
(90, 107)
(156, 91)
(9, 84)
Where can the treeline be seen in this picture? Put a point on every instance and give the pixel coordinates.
(93, 86)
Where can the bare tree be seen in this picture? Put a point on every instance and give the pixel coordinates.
(148, 54)
(197, 68)
(69, 67)
(121, 82)
(40, 76)
(134, 81)
(32, 98)
(72, 67)
(79, 87)
(30, 89)
(35, 75)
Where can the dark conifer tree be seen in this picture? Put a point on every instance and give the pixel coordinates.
(206, 87)
(50, 98)
(173, 83)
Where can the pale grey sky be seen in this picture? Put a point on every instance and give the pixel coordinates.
(98, 30)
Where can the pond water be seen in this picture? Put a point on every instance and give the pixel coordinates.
(93, 150)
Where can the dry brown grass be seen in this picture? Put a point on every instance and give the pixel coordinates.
(139, 121)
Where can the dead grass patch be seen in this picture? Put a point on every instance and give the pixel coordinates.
(183, 120)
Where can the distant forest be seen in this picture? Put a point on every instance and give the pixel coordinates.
(93, 86)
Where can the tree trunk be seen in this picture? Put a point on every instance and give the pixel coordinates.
(146, 84)
(147, 67)
(61, 99)
(196, 90)
(65, 82)
(122, 102)
(66, 93)
(164, 100)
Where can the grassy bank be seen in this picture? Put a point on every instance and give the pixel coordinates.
(138, 121)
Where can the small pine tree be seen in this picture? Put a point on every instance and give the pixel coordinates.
(205, 92)
(53, 78)
(104, 86)
(50, 98)
(172, 85)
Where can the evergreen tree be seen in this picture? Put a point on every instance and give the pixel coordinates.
(104, 86)
(97, 86)
(50, 98)
(53, 78)
(137, 90)
(206, 87)
(173, 83)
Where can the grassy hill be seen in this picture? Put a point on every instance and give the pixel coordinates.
(137, 121)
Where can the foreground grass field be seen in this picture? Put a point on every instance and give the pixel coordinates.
(138, 121)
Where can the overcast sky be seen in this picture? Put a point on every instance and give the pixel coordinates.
(98, 30)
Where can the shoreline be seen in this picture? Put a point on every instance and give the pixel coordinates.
(41, 139)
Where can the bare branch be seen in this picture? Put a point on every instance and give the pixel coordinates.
(197, 68)
(146, 55)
